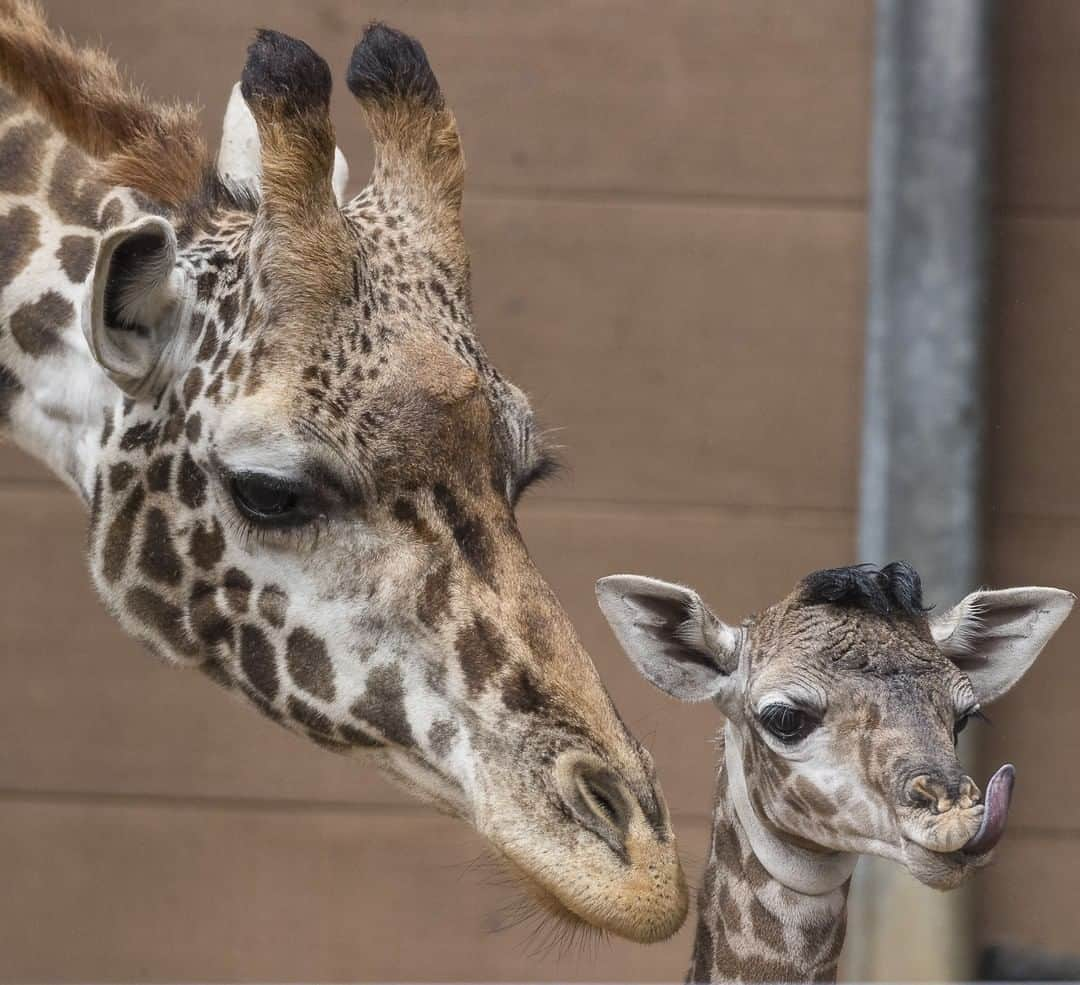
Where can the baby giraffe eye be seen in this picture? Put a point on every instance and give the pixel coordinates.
(786, 723)
(266, 499)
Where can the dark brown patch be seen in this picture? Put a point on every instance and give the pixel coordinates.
(441, 736)
(159, 475)
(257, 659)
(158, 559)
(118, 539)
(10, 388)
(470, 534)
(358, 737)
(310, 718)
(22, 149)
(112, 214)
(119, 476)
(193, 429)
(207, 543)
(158, 614)
(18, 242)
(191, 483)
(211, 625)
(76, 255)
(309, 664)
(434, 599)
(143, 435)
(237, 589)
(383, 705)
(36, 326)
(192, 386)
(273, 604)
(481, 652)
(522, 694)
(74, 195)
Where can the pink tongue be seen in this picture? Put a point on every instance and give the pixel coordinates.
(998, 795)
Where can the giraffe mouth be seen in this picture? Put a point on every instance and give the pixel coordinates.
(999, 793)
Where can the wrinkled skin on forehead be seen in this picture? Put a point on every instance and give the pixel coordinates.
(303, 471)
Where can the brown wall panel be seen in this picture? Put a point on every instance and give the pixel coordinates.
(706, 99)
(1039, 86)
(1030, 895)
(135, 892)
(688, 355)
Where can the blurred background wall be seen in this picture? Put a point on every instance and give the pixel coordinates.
(666, 209)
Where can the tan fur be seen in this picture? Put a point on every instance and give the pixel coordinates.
(154, 148)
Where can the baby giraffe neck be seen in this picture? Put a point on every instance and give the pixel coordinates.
(752, 927)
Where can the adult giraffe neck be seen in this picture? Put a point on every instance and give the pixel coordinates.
(768, 911)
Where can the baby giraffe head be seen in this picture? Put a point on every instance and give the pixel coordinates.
(844, 702)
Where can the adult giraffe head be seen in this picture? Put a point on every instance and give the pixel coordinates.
(304, 473)
(843, 704)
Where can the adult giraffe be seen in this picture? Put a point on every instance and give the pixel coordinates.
(300, 467)
(843, 704)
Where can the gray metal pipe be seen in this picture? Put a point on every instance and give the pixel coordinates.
(920, 489)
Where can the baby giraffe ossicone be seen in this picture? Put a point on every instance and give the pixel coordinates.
(843, 703)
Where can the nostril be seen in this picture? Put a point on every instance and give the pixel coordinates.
(596, 798)
(926, 793)
(604, 796)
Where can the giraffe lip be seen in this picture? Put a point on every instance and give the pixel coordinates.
(998, 797)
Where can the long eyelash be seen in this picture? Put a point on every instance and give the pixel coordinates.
(980, 715)
(305, 537)
(547, 467)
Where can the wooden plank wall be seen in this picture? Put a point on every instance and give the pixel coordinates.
(666, 213)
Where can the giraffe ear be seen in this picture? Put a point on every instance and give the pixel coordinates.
(136, 302)
(239, 160)
(670, 635)
(994, 637)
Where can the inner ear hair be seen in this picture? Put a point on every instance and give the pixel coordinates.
(137, 269)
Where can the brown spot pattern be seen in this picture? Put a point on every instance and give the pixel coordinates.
(207, 543)
(22, 150)
(383, 705)
(37, 326)
(309, 664)
(158, 559)
(258, 660)
(481, 652)
(162, 616)
(18, 242)
(118, 538)
(76, 255)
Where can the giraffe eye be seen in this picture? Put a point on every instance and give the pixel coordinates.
(962, 722)
(267, 499)
(786, 723)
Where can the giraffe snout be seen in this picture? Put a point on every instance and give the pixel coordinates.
(939, 793)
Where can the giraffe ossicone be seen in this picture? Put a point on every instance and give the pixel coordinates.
(301, 468)
(843, 703)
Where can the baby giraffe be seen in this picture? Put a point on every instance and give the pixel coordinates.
(843, 703)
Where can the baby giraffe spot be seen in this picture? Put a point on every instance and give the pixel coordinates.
(18, 242)
(143, 435)
(36, 326)
(21, 152)
(237, 589)
(434, 601)
(441, 736)
(358, 737)
(309, 664)
(76, 256)
(159, 559)
(118, 538)
(192, 386)
(193, 429)
(120, 475)
(191, 483)
(481, 651)
(383, 705)
(259, 661)
(159, 475)
(207, 543)
(73, 196)
(211, 625)
(161, 616)
(310, 718)
(112, 214)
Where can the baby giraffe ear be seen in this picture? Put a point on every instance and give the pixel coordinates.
(670, 635)
(994, 637)
(135, 302)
